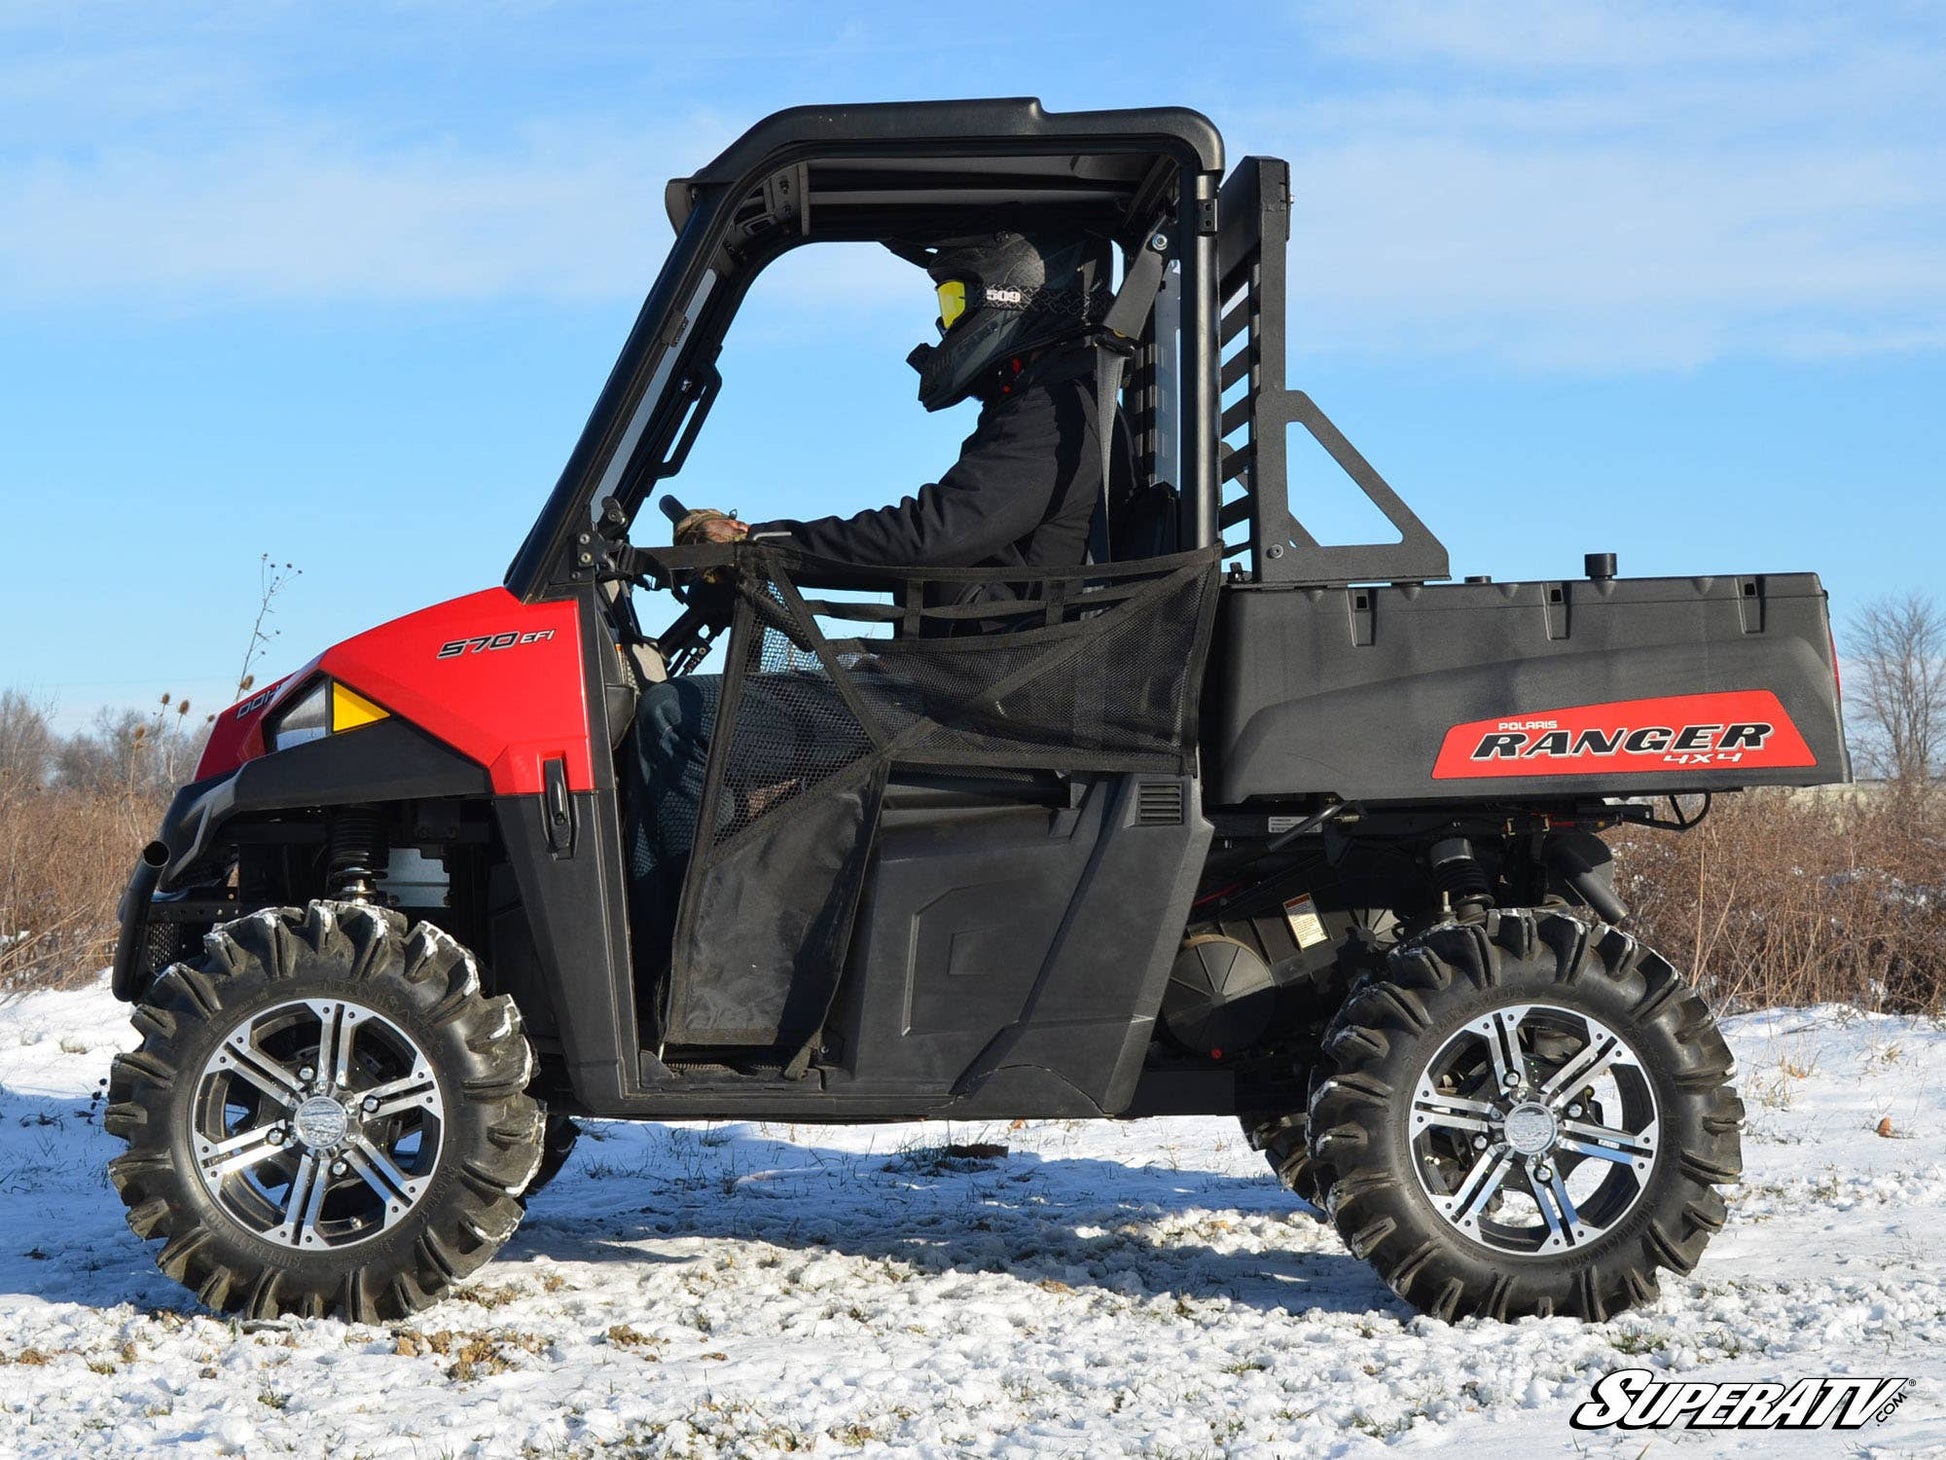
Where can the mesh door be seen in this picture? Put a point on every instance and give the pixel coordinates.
(1094, 669)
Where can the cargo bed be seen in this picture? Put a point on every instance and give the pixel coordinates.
(1352, 671)
(1483, 690)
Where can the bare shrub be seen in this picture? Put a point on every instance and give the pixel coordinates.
(272, 579)
(64, 859)
(1898, 686)
(73, 813)
(1784, 897)
(129, 754)
(26, 740)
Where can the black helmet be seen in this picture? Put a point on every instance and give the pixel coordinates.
(1000, 295)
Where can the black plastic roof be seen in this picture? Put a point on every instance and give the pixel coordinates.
(992, 147)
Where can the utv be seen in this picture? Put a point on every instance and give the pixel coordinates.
(1229, 820)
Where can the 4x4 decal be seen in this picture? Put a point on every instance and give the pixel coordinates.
(1737, 729)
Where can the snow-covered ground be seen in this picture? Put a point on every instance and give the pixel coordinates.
(1098, 1290)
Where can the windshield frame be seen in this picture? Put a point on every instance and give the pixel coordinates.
(624, 413)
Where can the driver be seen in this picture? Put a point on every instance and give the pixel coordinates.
(1017, 316)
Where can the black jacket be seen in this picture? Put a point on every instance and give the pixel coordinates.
(1022, 494)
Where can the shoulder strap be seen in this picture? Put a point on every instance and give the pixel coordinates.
(1121, 328)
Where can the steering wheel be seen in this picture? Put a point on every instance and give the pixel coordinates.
(707, 603)
(675, 512)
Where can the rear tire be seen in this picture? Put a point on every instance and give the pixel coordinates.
(1283, 1139)
(1528, 1116)
(557, 1144)
(324, 1116)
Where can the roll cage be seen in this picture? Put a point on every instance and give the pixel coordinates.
(872, 172)
(1205, 392)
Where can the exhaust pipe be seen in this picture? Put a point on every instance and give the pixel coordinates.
(1583, 861)
(132, 947)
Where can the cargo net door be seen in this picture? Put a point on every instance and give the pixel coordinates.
(960, 671)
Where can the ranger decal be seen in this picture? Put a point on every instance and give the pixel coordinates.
(1733, 730)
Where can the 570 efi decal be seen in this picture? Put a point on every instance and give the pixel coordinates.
(1733, 730)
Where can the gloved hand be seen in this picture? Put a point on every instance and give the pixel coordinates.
(706, 524)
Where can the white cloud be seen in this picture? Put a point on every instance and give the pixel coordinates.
(295, 218)
(1584, 256)
(1588, 185)
(228, 153)
(1598, 187)
(1596, 33)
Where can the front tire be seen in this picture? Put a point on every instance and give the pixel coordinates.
(1528, 1116)
(1283, 1136)
(325, 1116)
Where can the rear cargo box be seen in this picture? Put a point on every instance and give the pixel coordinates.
(1481, 690)
(1347, 670)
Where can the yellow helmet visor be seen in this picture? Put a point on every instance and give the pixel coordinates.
(952, 303)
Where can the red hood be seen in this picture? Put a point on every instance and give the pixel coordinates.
(496, 679)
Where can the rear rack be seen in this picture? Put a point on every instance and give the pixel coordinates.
(1255, 207)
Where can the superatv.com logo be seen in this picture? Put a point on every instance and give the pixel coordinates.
(1635, 1399)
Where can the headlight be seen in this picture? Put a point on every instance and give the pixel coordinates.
(308, 717)
(326, 708)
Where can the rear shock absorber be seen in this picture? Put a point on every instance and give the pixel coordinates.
(357, 850)
(1460, 878)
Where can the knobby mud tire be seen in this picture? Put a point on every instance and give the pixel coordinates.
(426, 983)
(1283, 1139)
(1396, 1020)
(557, 1144)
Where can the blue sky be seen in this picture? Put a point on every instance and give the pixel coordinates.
(340, 283)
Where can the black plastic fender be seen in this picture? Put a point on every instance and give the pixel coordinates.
(390, 760)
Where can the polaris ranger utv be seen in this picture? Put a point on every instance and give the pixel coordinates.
(1229, 820)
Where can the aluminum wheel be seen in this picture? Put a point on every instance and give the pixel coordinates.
(1526, 1116)
(318, 1123)
(1534, 1129)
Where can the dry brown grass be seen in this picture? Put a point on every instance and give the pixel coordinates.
(64, 858)
(1782, 898)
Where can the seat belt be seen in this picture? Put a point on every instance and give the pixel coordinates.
(1121, 328)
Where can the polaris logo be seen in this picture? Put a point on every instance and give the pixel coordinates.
(1728, 730)
(1634, 1399)
(1685, 745)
